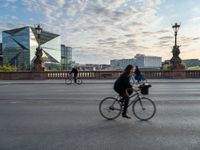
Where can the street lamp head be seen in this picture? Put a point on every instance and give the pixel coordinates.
(176, 27)
(38, 29)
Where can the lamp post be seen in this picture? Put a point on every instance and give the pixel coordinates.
(175, 62)
(38, 30)
(38, 67)
(176, 28)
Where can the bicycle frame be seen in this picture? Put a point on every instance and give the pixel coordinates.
(130, 103)
(71, 77)
(135, 99)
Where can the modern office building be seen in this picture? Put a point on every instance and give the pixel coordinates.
(121, 63)
(19, 47)
(140, 60)
(143, 61)
(1, 56)
(93, 67)
(66, 57)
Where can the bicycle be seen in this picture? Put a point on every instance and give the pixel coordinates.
(143, 108)
(70, 80)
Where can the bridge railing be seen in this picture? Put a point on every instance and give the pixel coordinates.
(96, 75)
(83, 74)
(193, 74)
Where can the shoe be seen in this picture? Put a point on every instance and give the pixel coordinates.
(126, 116)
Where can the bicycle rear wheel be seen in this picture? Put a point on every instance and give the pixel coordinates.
(110, 108)
(144, 109)
(68, 81)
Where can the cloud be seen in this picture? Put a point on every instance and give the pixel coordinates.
(196, 38)
(195, 19)
(60, 3)
(166, 38)
(7, 26)
(104, 30)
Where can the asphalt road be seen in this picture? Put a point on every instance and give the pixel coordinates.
(60, 117)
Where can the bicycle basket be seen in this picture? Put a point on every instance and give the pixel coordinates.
(144, 88)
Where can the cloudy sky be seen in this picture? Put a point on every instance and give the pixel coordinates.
(101, 30)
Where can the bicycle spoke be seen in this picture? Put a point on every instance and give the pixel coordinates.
(79, 81)
(68, 81)
(144, 109)
(110, 108)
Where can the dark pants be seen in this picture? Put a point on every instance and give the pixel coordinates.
(75, 78)
(125, 97)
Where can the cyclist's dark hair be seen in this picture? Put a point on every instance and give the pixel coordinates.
(127, 70)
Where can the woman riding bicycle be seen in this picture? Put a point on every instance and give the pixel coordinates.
(123, 87)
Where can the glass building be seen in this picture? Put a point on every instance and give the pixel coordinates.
(66, 57)
(1, 56)
(19, 47)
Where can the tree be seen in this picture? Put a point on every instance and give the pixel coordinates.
(7, 68)
(165, 67)
(24, 67)
(183, 65)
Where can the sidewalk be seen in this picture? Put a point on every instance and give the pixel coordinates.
(95, 81)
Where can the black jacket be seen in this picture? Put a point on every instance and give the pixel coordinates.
(121, 84)
(75, 71)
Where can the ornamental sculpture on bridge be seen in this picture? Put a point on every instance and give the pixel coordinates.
(175, 62)
(38, 62)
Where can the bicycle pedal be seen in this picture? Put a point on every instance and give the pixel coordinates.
(122, 104)
(121, 100)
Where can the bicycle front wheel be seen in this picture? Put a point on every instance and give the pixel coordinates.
(110, 108)
(79, 81)
(144, 109)
(68, 81)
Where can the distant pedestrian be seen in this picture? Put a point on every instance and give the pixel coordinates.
(138, 75)
(75, 72)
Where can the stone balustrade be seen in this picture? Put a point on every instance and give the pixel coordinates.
(96, 75)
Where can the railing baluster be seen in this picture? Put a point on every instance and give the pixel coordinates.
(92, 74)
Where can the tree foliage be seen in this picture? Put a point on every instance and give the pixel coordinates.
(165, 67)
(194, 68)
(7, 68)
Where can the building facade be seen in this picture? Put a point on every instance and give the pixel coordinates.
(140, 60)
(143, 61)
(66, 57)
(19, 47)
(121, 63)
(1, 56)
(93, 67)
